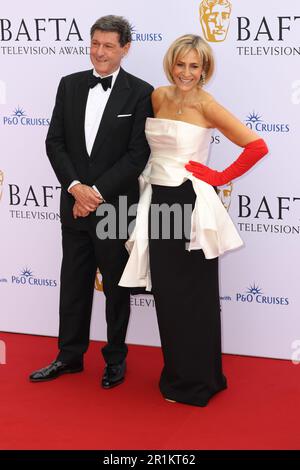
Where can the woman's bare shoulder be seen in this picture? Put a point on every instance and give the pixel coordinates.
(206, 98)
(159, 95)
(161, 92)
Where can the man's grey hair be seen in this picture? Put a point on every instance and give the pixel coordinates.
(114, 24)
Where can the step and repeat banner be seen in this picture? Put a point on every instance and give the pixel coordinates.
(257, 50)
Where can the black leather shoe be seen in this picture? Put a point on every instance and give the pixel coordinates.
(54, 370)
(113, 375)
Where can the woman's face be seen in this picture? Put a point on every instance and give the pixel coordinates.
(187, 71)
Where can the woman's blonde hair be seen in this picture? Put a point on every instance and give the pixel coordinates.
(182, 46)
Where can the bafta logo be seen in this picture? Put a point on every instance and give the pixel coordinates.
(215, 18)
(98, 281)
(225, 195)
(1, 183)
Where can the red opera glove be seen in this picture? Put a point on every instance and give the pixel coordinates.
(251, 154)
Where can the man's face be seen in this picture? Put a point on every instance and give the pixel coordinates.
(106, 52)
(215, 22)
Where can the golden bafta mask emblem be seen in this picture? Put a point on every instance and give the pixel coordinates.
(215, 19)
(1, 183)
(98, 281)
(225, 195)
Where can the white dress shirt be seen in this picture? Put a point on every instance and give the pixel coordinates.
(96, 102)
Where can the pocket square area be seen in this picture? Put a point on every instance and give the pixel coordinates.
(124, 115)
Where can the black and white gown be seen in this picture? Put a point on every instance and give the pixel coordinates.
(182, 271)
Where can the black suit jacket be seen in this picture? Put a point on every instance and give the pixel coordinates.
(120, 150)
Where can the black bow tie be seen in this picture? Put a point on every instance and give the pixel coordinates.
(105, 82)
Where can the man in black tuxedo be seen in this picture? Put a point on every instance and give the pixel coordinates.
(97, 147)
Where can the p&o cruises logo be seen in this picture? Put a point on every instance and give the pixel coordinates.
(254, 294)
(256, 123)
(146, 36)
(20, 118)
(26, 277)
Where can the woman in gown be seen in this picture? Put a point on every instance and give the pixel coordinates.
(176, 260)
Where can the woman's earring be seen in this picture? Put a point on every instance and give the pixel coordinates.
(203, 78)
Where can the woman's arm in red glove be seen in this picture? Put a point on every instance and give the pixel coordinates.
(254, 147)
(252, 153)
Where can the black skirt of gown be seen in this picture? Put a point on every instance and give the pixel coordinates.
(185, 286)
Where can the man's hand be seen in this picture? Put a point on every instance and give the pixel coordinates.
(79, 211)
(86, 196)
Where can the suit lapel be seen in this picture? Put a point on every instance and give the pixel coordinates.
(80, 106)
(117, 99)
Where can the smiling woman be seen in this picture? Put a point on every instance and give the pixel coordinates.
(187, 72)
(180, 264)
(188, 64)
(178, 51)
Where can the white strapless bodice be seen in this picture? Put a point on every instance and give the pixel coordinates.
(173, 144)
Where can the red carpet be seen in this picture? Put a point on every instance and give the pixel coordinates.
(260, 409)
